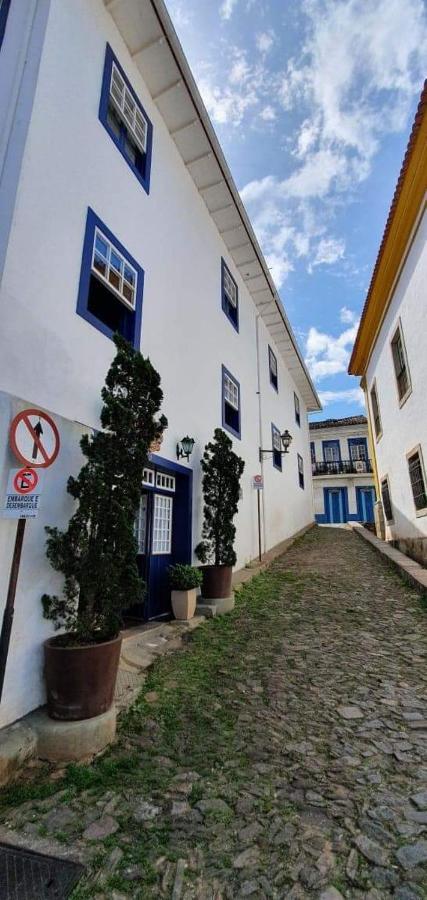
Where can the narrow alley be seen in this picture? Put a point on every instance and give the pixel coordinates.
(282, 754)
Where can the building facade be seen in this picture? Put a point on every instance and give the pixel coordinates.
(120, 214)
(389, 353)
(343, 483)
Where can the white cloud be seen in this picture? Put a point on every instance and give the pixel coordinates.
(264, 41)
(327, 355)
(351, 396)
(348, 316)
(329, 250)
(358, 70)
(226, 8)
(268, 114)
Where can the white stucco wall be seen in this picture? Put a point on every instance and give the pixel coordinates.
(403, 427)
(52, 358)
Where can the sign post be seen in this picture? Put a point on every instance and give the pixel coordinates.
(22, 498)
(258, 484)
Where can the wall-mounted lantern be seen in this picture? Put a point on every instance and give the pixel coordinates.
(286, 439)
(185, 447)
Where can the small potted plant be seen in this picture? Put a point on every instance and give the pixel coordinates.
(222, 471)
(97, 554)
(184, 581)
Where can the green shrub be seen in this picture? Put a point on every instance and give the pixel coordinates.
(184, 578)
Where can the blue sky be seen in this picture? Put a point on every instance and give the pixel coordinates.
(312, 101)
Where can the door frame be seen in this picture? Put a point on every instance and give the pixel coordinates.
(182, 516)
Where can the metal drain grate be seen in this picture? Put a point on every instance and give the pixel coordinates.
(25, 875)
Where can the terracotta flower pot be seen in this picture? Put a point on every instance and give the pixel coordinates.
(184, 604)
(216, 583)
(80, 681)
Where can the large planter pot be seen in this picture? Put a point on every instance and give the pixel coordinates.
(184, 604)
(216, 583)
(80, 681)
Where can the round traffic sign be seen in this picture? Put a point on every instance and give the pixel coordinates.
(25, 481)
(34, 438)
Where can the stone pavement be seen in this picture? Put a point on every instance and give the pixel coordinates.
(281, 754)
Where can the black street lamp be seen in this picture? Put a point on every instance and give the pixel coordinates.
(286, 439)
(185, 447)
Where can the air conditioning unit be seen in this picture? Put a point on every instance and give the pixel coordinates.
(360, 466)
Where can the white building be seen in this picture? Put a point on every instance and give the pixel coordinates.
(119, 212)
(343, 483)
(390, 350)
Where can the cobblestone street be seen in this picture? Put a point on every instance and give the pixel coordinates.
(282, 753)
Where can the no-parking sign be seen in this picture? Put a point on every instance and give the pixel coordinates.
(23, 494)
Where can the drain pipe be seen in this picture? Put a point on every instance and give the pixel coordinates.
(260, 439)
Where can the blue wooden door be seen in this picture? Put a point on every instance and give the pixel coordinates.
(158, 601)
(335, 506)
(365, 504)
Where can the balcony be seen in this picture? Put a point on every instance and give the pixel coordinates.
(343, 467)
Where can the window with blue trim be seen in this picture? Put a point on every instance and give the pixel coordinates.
(125, 119)
(272, 366)
(4, 9)
(358, 449)
(230, 295)
(231, 412)
(111, 284)
(300, 471)
(276, 443)
(297, 410)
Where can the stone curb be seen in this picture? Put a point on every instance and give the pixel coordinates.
(407, 568)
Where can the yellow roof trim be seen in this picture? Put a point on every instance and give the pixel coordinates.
(407, 202)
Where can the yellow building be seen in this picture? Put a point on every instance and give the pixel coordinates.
(390, 351)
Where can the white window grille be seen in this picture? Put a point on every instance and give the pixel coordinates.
(231, 392)
(110, 266)
(128, 109)
(166, 482)
(162, 525)
(230, 288)
(358, 451)
(277, 441)
(140, 529)
(332, 453)
(148, 477)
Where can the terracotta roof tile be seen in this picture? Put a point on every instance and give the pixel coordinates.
(337, 423)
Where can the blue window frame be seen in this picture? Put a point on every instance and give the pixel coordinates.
(313, 451)
(297, 410)
(331, 451)
(358, 449)
(111, 284)
(231, 410)
(229, 295)
(272, 367)
(125, 119)
(4, 9)
(300, 470)
(276, 443)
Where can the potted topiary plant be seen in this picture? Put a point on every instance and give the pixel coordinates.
(222, 471)
(97, 553)
(184, 581)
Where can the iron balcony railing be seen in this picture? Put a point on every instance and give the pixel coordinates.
(343, 467)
